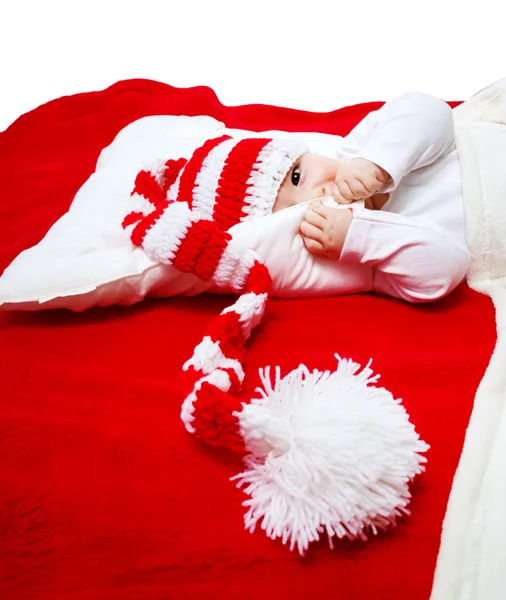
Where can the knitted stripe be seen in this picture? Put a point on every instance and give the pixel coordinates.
(233, 182)
(206, 183)
(235, 382)
(226, 330)
(233, 269)
(140, 204)
(171, 173)
(214, 413)
(191, 258)
(132, 218)
(259, 280)
(187, 183)
(211, 253)
(146, 185)
(140, 230)
(208, 357)
(164, 238)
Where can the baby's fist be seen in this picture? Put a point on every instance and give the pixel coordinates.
(359, 179)
(324, 229)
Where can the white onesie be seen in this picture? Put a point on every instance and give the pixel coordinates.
(416, 243)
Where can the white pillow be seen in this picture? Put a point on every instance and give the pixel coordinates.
(86, 259)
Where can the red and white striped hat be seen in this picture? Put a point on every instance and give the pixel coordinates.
(180, 214)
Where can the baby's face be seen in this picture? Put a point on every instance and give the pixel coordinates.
(312, 176)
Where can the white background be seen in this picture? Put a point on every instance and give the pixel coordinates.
(314, 54)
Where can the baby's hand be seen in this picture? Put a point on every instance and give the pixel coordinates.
(359, 179)
(323, 229)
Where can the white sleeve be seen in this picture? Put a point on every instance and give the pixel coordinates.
(406, 133)
(412, 259)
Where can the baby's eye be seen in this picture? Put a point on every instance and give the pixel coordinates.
(296, 176)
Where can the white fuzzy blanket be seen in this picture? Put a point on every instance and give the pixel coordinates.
(472, 558)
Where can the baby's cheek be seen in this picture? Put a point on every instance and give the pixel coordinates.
(283, 200)
(278, 205)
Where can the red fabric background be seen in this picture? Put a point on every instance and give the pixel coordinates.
(103, 495)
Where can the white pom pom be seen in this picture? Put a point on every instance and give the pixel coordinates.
(328, 453)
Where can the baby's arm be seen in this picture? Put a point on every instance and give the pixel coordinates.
(406, 133)
(413, 259)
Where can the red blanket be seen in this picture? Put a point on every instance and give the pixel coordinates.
(103, 494)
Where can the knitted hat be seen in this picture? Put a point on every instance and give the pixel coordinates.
(180, 214)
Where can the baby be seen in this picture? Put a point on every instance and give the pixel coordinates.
(406, 240)
(403, 162)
